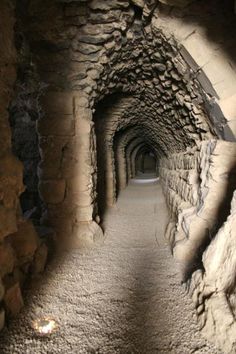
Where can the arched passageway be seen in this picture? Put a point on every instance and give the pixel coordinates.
(112, 104)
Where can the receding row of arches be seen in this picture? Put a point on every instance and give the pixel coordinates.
(122, 154)
(122, 97)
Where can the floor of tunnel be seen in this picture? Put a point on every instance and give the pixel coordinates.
(124, 297)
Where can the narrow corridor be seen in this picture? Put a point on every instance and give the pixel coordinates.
(124, 297)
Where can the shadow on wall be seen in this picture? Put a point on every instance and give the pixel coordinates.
(203, 224)
(207, 29)
(212, 15)
(24, 111)
(222, 212)
(101, 131)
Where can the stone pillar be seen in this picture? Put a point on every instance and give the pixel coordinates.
(142, 161)
(68, 167)
(57, 131)
(121, 167)
(110, 177)
(86, 232)
(133, 159)
(121, 156)
(129, 150)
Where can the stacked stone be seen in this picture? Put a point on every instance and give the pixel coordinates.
(24, 111)
(120, 128)
(198, 187)
(213, 291)
(21, 250)
(180, 178)
(194, 226)
(89, 50)
(86, 51)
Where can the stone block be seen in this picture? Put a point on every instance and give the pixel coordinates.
(40, 259)
(2, 318)
(53, 191)
(11, 185)
(108, 5)
(52, 150)
(8, 223)
(25, 242)
(13, 301)
(139, 3)
(7, 259)
(85, 213)
(87, 235)
(58, 102)
(20, 276)
(64, 125)
(8, 53)
(47, 171)
(108, 17)
(2, 290)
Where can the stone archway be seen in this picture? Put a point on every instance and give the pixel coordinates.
(122, 76)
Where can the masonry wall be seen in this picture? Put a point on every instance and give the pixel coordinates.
(21, 251)
(199, 186)
(213, 288)
(85, 52)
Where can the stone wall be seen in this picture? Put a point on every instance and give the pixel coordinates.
(24, 111)
(213, 288)
(117, 82)
(199, 185)
(86, 51)
(21, 250)
(204, 30)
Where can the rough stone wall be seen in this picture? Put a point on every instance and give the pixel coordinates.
(87, 51)
(213, 288)
(21, 251)
(199, 185)
(206, 30)
(24, 111)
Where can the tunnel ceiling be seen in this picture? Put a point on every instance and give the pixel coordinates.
(165, 99)
(121, 116)
(136, 134)
(115, 47)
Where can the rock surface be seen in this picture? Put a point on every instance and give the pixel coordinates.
(18, 239)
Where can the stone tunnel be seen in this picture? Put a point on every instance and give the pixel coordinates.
(117, 176)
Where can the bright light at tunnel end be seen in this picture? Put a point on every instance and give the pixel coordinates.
(145, 180)
(45, 326)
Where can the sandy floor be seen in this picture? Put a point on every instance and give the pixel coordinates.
(124, 297)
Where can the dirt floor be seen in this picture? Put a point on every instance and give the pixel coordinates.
(124, 297)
